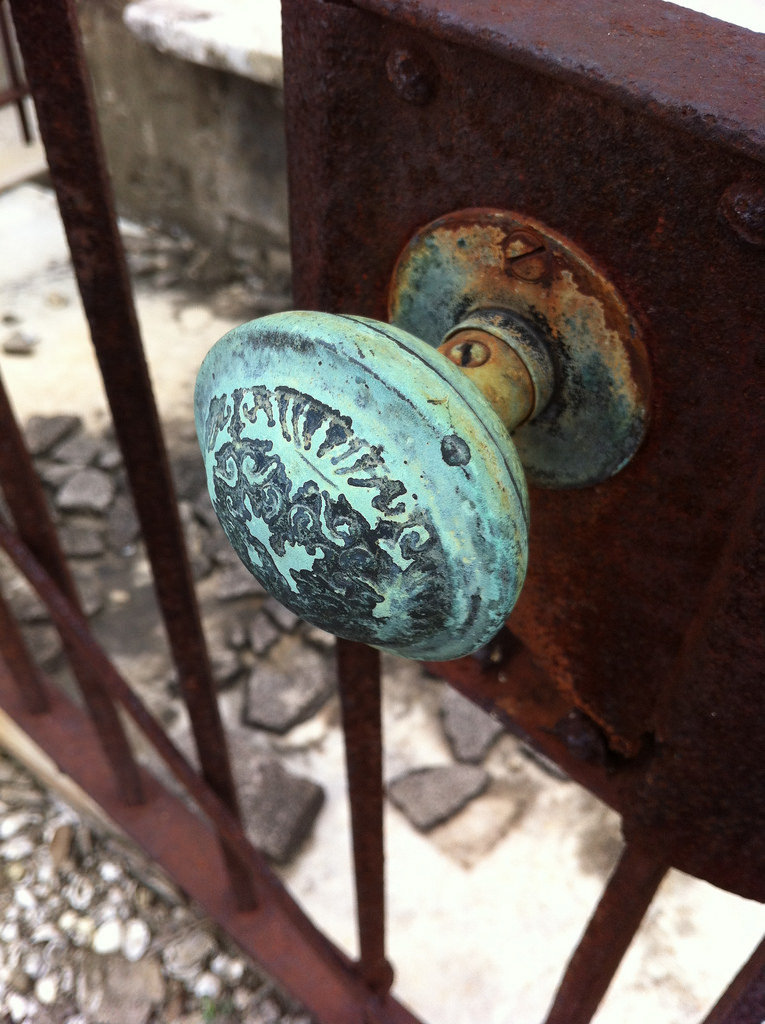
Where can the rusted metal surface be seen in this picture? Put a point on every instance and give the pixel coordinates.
(22, 666)
(698, 74)
(52, 52)
(358, 673)
(610, 931)
(637, 612)
(744, 1000)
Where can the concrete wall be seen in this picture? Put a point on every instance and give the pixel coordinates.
(188, 145)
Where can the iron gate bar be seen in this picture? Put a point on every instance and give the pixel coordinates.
(284, 958)
(627, 896)
(744, 1000)
(26, 501)
(19, 89)
(23, 668)
(52, 51)
(358, 676)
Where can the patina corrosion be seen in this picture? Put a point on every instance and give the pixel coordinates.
(475, 260)
(364, 481)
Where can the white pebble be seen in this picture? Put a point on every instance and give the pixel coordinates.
(115, 897)
(241, 999)
(136, 939)
(227, 967)
(46, 990)
(207, 986)
(46, 932)
(68, 921)
(83, 930)
(110, 872)
(18, 1007)
(80, 893)
(25, 898)
(17, 848)
(218, 964)
(45, 875)
(33, 964)
(107, 938)
(12, 824)
(15, 870)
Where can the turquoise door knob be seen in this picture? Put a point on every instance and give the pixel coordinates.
(365, 472)
(365, 481)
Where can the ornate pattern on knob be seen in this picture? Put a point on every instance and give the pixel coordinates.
(365, 481)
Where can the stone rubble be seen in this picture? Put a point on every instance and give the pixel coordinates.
(430, 796)
(469, 730)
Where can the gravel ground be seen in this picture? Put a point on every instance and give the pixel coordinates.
(92, 932)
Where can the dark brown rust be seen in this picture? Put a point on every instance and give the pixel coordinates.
(698, 74)
(16, 655)
(358, 673)
(627, 151)
(52, 51)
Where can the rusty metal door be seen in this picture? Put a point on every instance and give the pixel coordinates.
(634, 656)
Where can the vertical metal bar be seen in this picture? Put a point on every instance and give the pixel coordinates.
(29, 509)
(52, 50)
(743, 1002)
(25, 673)
(14, 72)
(358, 669)
(610, 931)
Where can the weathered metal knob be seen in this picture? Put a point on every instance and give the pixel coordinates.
(365, 480)
(369, 480)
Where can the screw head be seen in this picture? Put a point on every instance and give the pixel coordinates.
(527, 257)
(412, 75)
(743, 207)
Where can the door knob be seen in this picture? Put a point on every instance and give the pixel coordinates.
(370, 481)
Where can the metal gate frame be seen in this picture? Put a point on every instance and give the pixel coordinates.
(398, 112)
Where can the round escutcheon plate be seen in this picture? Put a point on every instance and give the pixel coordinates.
(364, 481)
(485, 259)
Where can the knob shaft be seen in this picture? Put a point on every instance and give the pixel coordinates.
(365, 481)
